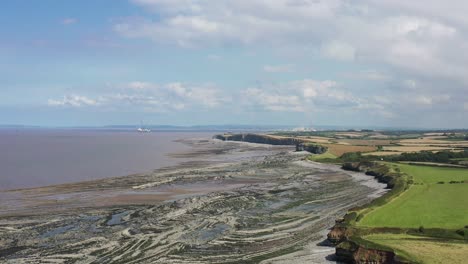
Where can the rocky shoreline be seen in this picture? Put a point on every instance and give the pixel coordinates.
(237, 203)
(300, 144)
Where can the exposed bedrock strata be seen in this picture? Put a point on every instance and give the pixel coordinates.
(351, 252)
(301, 144)
(278, 206)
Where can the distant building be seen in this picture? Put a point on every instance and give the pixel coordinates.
(303, 129)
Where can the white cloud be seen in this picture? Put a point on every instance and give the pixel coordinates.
(170, 6)
(301, 96)
(150, 97)
(73, 101)
(69, 21)
(204, 95)
(410, 84)
(423, 100)
(273, 101)
(177, 88)
(140, 85)
(195, 23)
(278, 68)
(422, 37)
(372, 75)
(316, 89)
(429, 99)
(339, 50)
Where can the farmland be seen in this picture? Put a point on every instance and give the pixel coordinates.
(428, 202)
(424, 250)
(381, 143)
(415, 148)
(339, 149)
(424, 217)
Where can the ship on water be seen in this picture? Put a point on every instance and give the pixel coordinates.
(142, 129)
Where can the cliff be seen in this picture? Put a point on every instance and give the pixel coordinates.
(260, 139)
(351, 252)
(301, 145)
(350, 248)
(312, 148)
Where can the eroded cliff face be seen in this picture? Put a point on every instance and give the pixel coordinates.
(379, 172)
(337, 234)
(350, 252)
(260, 139)
(312, 148)
(300, 144)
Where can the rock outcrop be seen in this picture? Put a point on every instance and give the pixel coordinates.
(312, 148)
(337, 234)
(301, 145)
(350, 252)
(379, 171)
(260, 139)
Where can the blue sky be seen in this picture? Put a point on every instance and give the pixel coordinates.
(198, 62)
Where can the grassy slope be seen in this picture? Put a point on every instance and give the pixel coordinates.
(426, 203)
(326, 155)
(422, 249)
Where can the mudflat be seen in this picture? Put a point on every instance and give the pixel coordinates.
(233, 202)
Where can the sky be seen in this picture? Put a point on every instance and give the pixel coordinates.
(382, 63)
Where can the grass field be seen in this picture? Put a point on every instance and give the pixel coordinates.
(460, 159)
(316, 139)
(365, 142)
(414, 148)
(338, 149)
(427, 203)
(326, 155)
(382, 153)
(424, 250)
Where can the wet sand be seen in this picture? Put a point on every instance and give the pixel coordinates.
(233, 202)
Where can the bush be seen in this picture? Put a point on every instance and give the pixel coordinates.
(348, 218)
(359, 217)
(352, 157)
(350, 166)
(421, 229)
(441, 182)
(428, 156)
(312, 148)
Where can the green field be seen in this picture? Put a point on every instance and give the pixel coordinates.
(460, 159)
(423, 250)
(324, 156)
(427, 202)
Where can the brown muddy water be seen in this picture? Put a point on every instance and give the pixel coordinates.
(32, 158)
